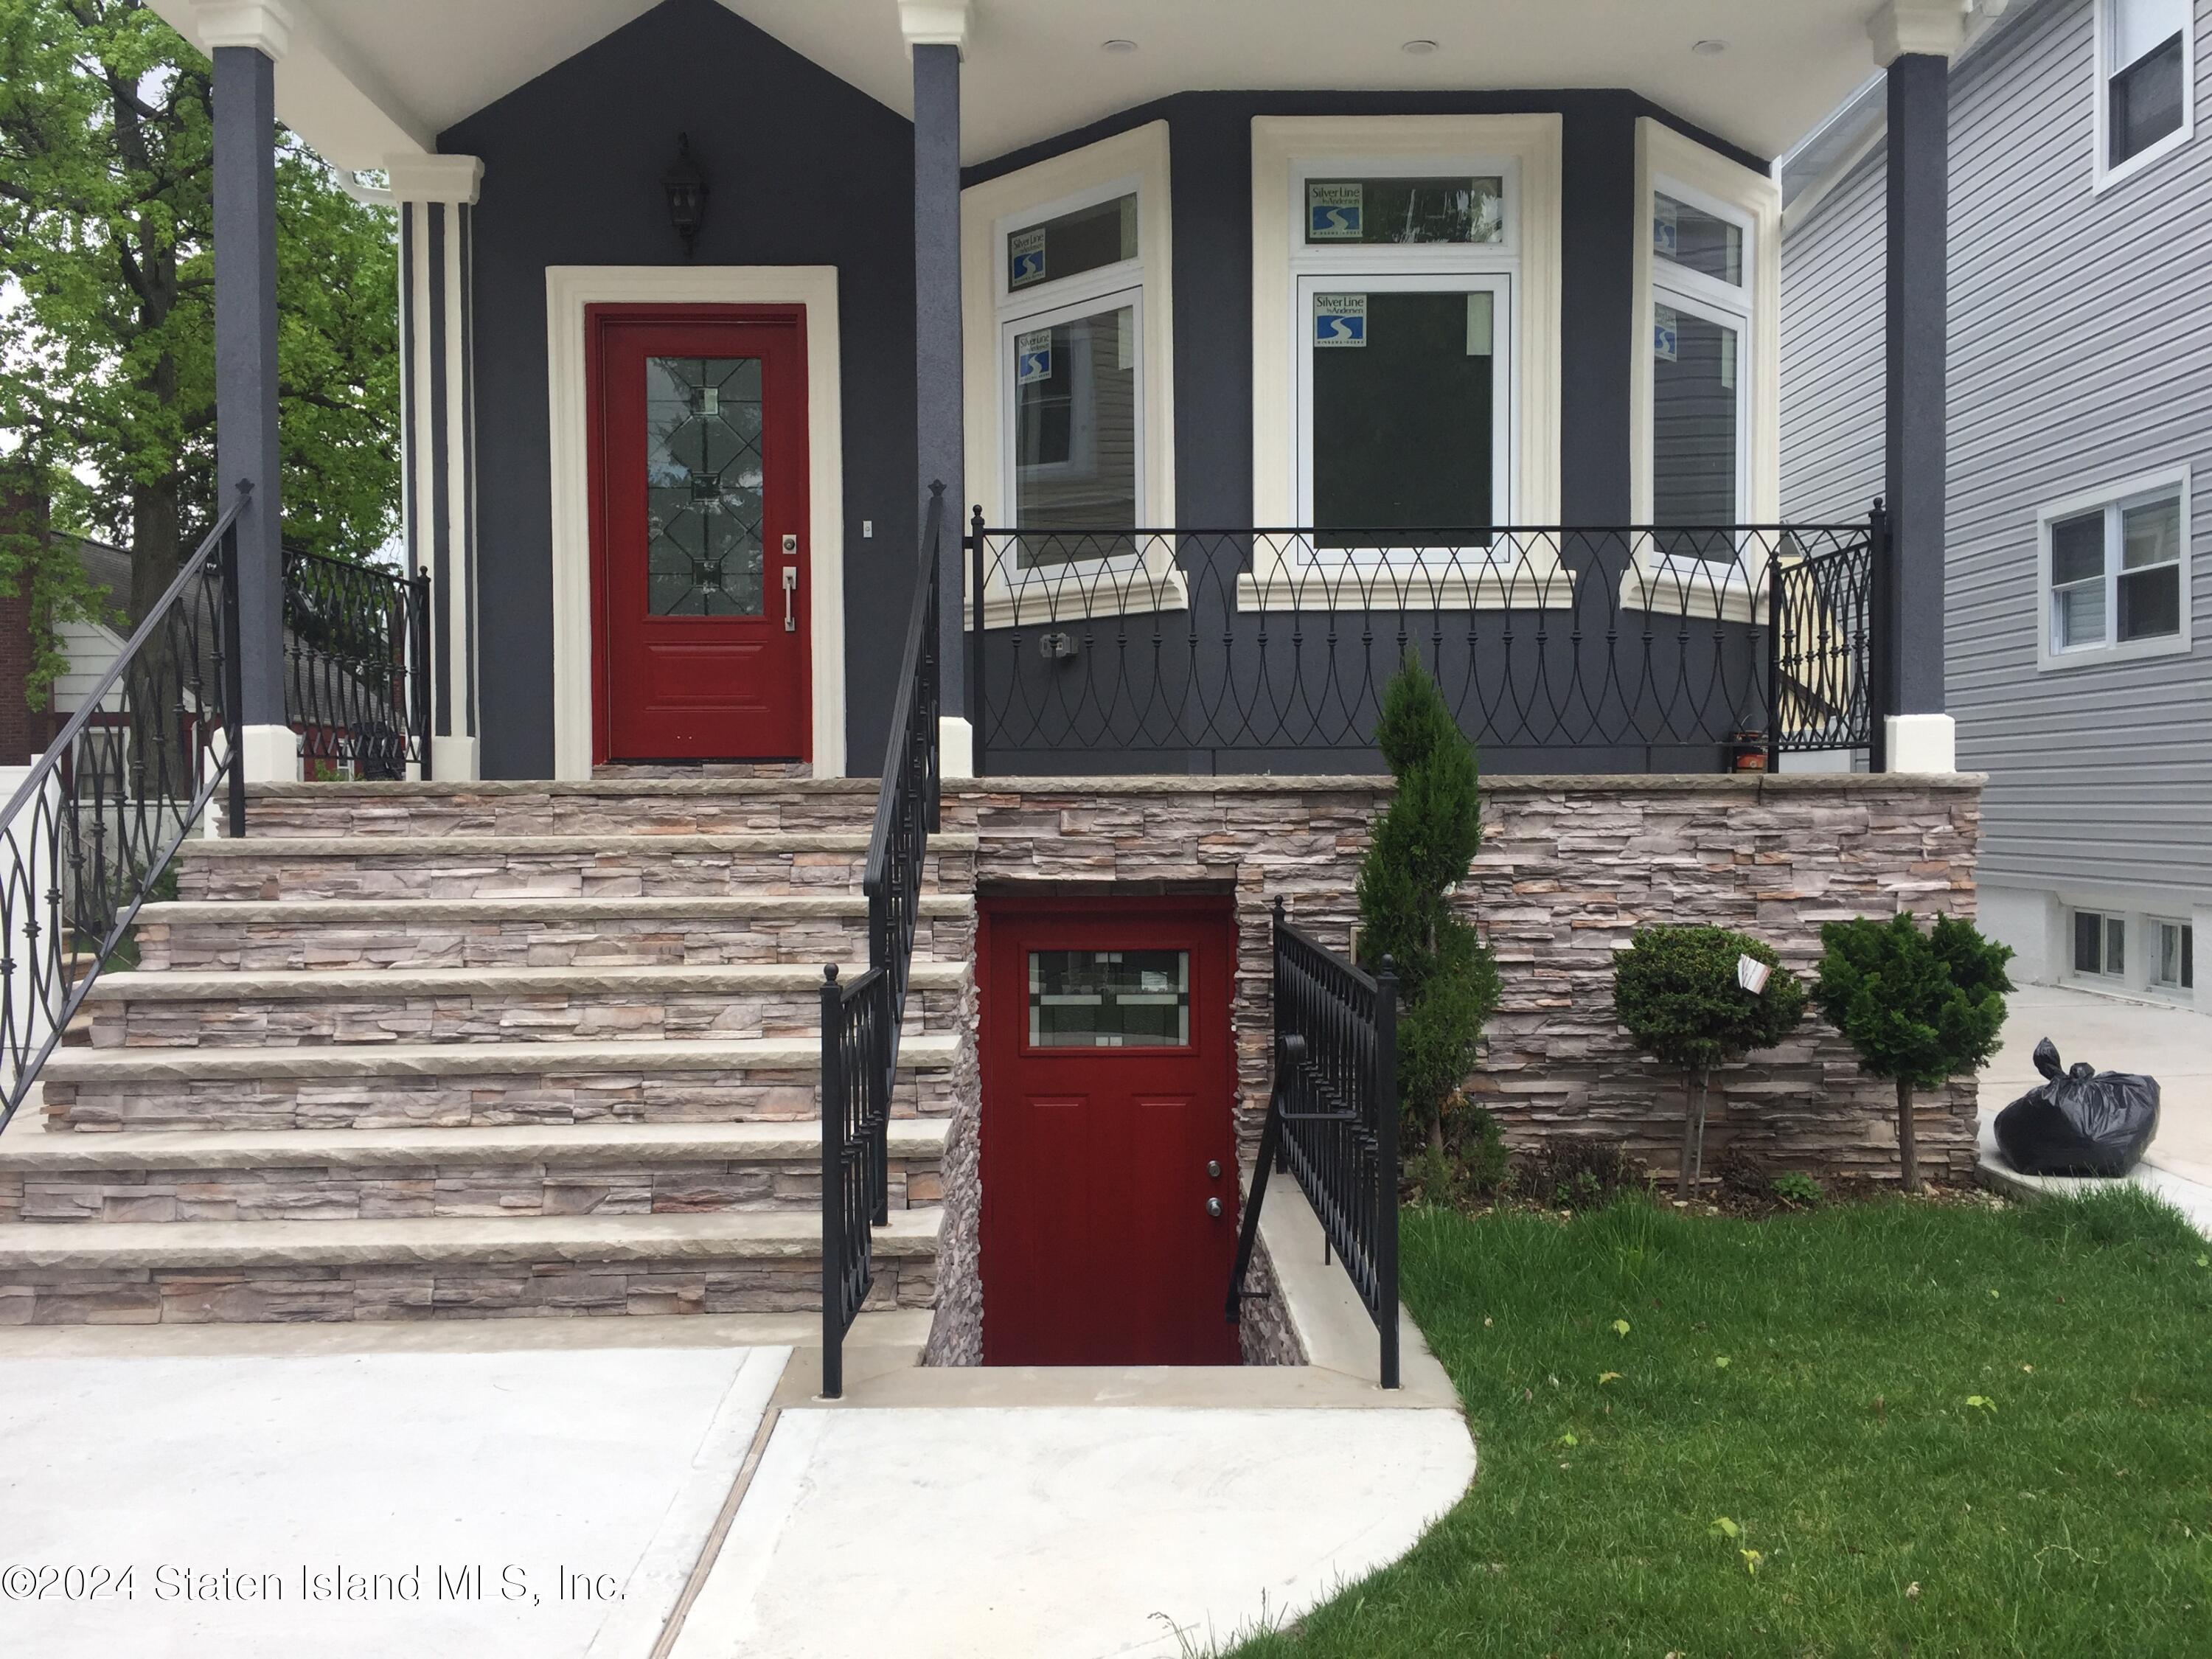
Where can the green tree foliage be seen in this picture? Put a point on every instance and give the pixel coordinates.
(1424, 842)
(1920, 1007)
(1675, 991)
(106, 307)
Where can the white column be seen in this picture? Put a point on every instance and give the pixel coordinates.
(436, 195)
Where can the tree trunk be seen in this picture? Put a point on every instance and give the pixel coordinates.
(1693, 1132)
(1908, 1149)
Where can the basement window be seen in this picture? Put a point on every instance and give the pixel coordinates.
(2173, 960)
(2100, 945)
(2145, 59)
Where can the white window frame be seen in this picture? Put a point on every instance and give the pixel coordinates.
(1522, 268)
(2111, 499)
(2106, 918)
(1493, 267)
(1129, 163)
(2152, 954)
(1667, 163)
(2106, 174)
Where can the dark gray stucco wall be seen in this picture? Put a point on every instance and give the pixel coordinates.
(1210, 149)
(803, 169)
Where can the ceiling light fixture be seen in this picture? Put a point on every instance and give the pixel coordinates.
(1709, 48)
(1117, 45)
(1418, 48)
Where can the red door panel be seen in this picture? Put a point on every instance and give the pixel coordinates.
(699, 532)
(1100, 1157)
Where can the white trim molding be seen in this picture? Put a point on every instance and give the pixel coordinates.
(454, 179)
(1133, 161)
(1931, 29)
(568, 290)
(934, 23)
(1527, 149)
(263, 25)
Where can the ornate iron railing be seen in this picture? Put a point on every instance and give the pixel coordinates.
(356, 660)
(1332, 1121)
(861, 1021)
(1642, 649)
(91, 830)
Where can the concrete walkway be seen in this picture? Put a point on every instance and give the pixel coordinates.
(2115, 1034)
(628, 1488)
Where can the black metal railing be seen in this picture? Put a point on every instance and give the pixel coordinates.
(91, 830)
(1644, 649)
(861, 1021)
(356, 662)
(1332, 1121)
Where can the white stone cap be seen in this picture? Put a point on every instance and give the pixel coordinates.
(261, 24)
(934, 23)
(1932, 28)
(456, 178)
(1924, 743)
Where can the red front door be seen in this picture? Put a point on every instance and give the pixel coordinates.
(1110, 1078)
(699, 540)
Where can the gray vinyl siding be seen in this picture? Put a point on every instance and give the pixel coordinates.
(2080, 357)
(1832, 271)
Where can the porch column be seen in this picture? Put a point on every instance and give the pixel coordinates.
(245, 41)
(1914, 41)
(937, 32)
(436, 196)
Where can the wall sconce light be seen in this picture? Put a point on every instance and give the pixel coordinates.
(687, 193)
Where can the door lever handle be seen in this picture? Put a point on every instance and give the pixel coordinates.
(790, 598)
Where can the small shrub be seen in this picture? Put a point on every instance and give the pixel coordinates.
(1424, 842)
(1578, 1173)
(1920, 1008)
(1675, 989)
(1794, 1187)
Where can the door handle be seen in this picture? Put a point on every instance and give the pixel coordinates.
(790, 598)
(1213, 1168)
(1214, 1207)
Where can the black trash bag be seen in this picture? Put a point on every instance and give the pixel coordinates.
(2083, 1122)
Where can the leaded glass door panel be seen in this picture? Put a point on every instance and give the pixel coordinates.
(700, 533)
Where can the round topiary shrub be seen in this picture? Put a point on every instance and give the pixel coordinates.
(1676, 991)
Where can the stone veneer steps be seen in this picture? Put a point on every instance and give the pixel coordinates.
(426, 1051)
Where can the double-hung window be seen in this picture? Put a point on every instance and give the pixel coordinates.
(1404, 295)
(1700, 347)
(2115, 573)
(2146, 61)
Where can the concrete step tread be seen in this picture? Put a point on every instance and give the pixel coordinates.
(717, 1235)
(618, 908)
(232, 985)
(437, 1059)
(26, 1150)
(460, 849)
(606, 788)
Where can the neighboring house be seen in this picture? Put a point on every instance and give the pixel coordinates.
(1271, 345)
(2078, 608)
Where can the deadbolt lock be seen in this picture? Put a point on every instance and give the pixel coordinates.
(791, 547)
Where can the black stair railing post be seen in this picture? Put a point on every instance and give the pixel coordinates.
(833, 1187)
(978, 708)
(1774, 656)
(1386, 1167)
(233, 676)
(1881, 578)
(418, 667)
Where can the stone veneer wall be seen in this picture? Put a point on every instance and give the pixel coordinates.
(1570, 867)
(956, 1330)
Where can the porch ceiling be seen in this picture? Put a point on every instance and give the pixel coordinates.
(365, 78)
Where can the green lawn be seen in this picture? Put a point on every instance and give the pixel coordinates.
(1813, 1380)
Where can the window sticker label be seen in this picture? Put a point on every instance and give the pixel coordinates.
(1334, 212)
(1665, 238)
(1339, 319)
(1025, 248)
(1665, 326)
(1481, 312)
(1033, 356)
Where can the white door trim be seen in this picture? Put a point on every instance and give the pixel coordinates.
(569, 289)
